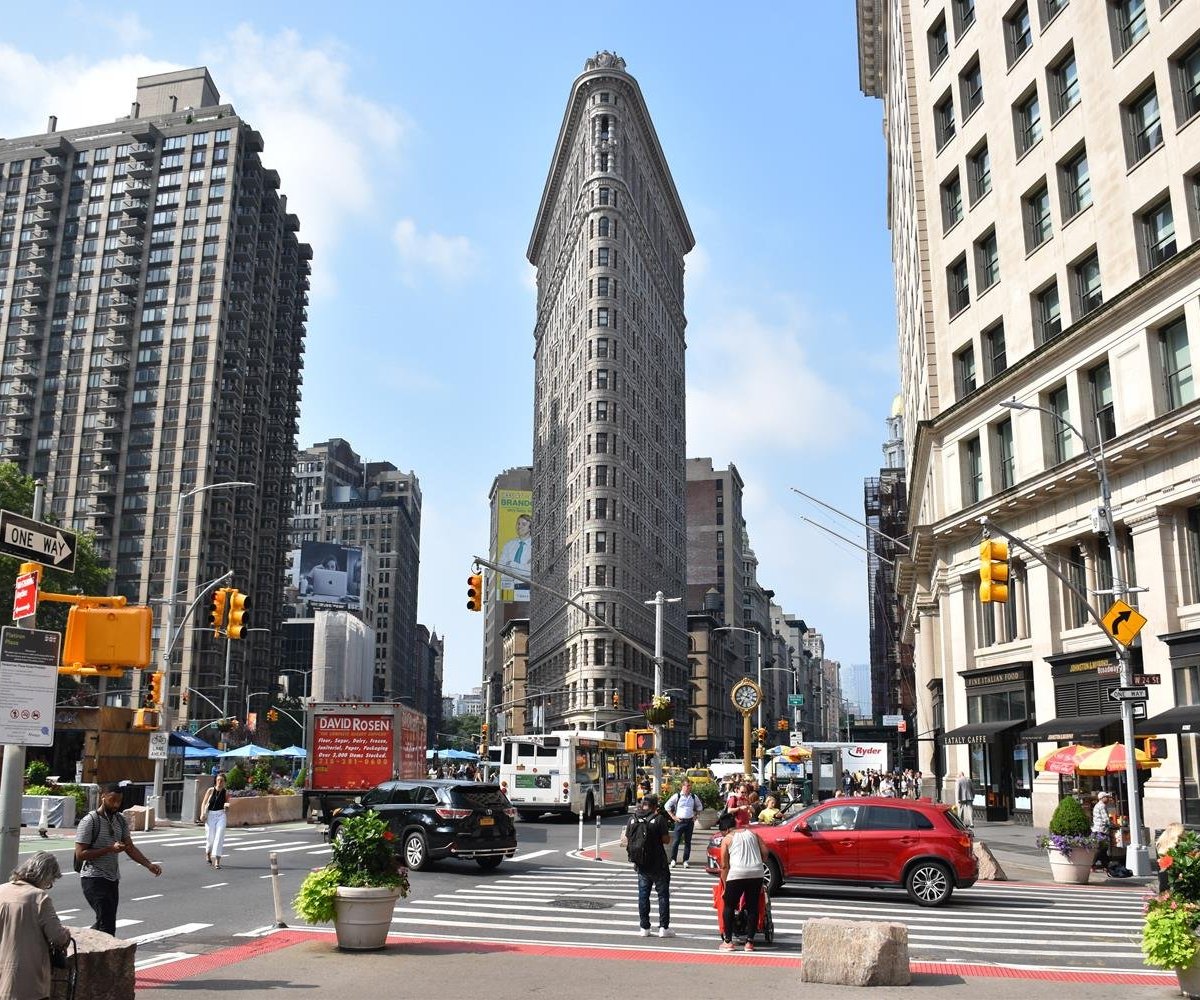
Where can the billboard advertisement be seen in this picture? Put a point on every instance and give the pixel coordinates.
(329, 573)
(514, 542)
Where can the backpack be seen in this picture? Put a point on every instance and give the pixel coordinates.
(79, 862)
(638, 841)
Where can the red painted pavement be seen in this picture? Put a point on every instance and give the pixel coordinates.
(189, 968)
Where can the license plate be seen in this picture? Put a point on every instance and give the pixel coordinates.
(487, 821)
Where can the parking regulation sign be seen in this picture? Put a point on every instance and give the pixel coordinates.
(25, 596)
(28, 683)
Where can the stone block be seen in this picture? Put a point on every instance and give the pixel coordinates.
(989, 867)
(139, 818)
(105, 965)
(855, 953)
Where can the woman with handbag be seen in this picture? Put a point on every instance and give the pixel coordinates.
(29, 928)
(212, 815)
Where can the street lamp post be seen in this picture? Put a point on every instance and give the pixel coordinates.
(1138, 851)
(758, 660)
(660, 602)
(168, 637)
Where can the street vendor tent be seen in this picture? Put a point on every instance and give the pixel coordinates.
(192, 753)
(451, 755)
(292, 751)
(249, 750)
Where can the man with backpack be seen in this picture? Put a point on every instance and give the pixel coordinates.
(100, 840)
(646, 835)
(682, 808)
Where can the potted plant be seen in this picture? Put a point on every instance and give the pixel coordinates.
(658, 711)
(1071, 846)
(710, 798)
(1169, 935)
(358, 889)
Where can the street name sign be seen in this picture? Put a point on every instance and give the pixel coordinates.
(25, 596)
(28, 683)
(1128, 694)
(795, 701)
(1147, 678)
(159, 745)
(37, 541)
(1122, 622)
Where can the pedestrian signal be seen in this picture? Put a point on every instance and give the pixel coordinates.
(993, 571)
(640, 741)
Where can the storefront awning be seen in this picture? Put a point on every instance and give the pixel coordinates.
(1181, 719)
(179, 738)
(981, 732)
(1077, 728)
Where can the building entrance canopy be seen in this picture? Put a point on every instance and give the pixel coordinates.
(981, 732)
(1079, 728)
(1181, 719)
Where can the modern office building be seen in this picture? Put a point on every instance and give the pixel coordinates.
(1043, 168)
(510, 543)
(317, 472)
(608, 449)
(152, 311)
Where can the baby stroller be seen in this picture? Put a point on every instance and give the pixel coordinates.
(766, 926)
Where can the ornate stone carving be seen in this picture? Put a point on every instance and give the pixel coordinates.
(604, 60)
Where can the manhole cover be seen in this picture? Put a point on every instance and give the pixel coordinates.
(581, 903)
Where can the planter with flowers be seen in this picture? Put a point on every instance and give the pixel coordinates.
(358, 889)
(1070, 845)
(1169, 935)
(659, 712)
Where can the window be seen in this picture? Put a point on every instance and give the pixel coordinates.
(952, 207)
(1143, 123)
(971, 86)
(1076, 611)
(939, 44)
(964, 16)
(1076, 185)
(1038, 225)
(972, 471)
(1018, 32)
(959, 286)
(943, 116)
(987, 261)
(1100, 380)
(980, 175)
(964, 371)
(1086, 275)
(1187, 73)
(1006, 474)
(1129, 23)
(1028, 117)
(1047, 314)
(1158, 234)
(1176, 364)
(995, 354)
(1050, 10)
(1064, 85)
(1060, 433)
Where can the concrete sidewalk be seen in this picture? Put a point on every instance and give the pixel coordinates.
(1014, 847)
(310, 961)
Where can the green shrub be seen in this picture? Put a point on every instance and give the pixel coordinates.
(36, 773)
(40, 790)
(1069, 819)
(300, 775)
(260, 779)
(709, 793)
(236, 778)
(79, 794)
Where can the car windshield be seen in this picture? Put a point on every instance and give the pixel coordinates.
(479, 797)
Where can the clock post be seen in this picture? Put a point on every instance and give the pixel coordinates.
(746, 696)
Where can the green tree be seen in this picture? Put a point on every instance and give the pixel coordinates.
(461, 732)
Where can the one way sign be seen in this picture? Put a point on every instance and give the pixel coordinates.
(1128, 694)
(36, 541)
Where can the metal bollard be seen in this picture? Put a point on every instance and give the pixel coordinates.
(598, 858)
(279, 921)
(44, 818)
(580, 831)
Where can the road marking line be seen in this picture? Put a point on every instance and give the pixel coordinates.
(163, 959)
(530, 857)
(304, 847)
(136, 899)
(286, 843)
(169, 932)
(214, 885)
(128, 922)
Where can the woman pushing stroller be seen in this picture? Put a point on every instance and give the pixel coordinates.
(741, 865)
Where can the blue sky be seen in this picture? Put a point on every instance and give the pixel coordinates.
(413, 142)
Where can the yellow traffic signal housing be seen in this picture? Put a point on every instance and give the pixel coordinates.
(483, 731)
(474, 592)
(118, 637)
(217, 616)
(239, 610)
(640, 740)
(154, 695)
(782, 724)
(993, 571)
(145, 719)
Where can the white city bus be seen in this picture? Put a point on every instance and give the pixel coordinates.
(567, 771)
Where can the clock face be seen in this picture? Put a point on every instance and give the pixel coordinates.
(745, 695)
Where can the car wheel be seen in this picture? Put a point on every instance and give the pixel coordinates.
(929, 883)
(487, 864)
(416, 853)
(772, 876)
(335, 832)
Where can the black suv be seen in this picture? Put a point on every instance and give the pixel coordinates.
(441, 819)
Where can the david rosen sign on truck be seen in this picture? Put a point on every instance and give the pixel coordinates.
(352, 751)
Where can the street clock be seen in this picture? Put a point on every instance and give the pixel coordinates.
(746, 695)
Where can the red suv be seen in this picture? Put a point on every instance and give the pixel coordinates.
(883, 842)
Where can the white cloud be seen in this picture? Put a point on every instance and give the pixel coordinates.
(753, 390)
(449, 258)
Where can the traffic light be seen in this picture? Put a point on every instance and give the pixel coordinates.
(474, 592)
(239, 611)
(616, 699)
(272, 715)
(154, 697)
(993, 571)
(760, 734)
(782, 724)
(220, 601)
(640, 740)
(145, 719)
(483, 732)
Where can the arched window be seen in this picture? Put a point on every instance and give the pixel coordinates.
(604, 226)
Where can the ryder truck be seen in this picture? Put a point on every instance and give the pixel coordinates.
(354, 746)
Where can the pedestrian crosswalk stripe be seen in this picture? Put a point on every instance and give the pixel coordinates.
(166, 933)
(275, 847)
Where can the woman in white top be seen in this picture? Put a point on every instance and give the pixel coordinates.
(742, 878)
